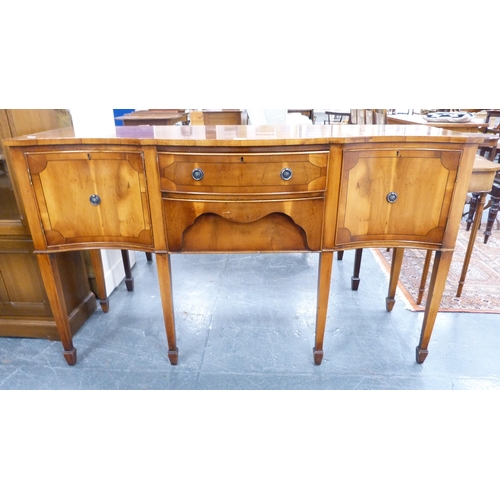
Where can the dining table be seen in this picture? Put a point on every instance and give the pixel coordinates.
(474, 125)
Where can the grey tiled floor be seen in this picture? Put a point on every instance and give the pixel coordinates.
(247, 322)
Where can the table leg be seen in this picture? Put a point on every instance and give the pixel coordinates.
(440, 270)
(129, 279)
(96, 259)
(425, 272)
(472, 239)
(55, 293)
(357, 267)
(165, 281)
(397, 261)
(324, 279)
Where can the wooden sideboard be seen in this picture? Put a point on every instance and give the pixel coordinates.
(303, 188)
(24, 306)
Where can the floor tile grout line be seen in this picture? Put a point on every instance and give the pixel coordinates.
(221, 275)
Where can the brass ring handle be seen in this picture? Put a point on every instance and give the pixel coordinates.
(197, 174)
(391, 197)
(286, 174)
(95, 199)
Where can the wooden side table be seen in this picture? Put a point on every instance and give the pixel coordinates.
(483, 175)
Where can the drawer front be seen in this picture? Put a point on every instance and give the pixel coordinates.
(243, 173)
(244, 226)
(104, 193)
(402, 195)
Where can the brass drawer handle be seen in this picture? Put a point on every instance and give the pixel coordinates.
(391, 197)
(197, 174)
(95, 199)
(286, 174)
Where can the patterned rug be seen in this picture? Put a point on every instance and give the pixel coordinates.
(481, 291)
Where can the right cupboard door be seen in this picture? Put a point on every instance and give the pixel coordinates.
(395, 196)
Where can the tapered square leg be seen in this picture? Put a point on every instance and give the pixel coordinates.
(324, 278)
(357, 268)
(173, 356)
(480, 201)
(70, 357)
(318, 356)
(421, 355)
(397, 261)
(95, 256)
(129, 279)
(165, 281)
(440, 269)
(53, 285)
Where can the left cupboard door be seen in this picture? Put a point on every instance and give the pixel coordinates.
(92, 197)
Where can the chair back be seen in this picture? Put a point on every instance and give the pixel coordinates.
(493, 121)
(369, 116)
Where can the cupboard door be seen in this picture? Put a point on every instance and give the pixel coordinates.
(9, 211)
(21, 288)
(104, 192)
(396, 194)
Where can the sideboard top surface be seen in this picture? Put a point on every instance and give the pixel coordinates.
(245, 135)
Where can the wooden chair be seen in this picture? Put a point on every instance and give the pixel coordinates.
(493, 121)
(3, 170)
(490, 148)
(337, 116)
(493, 207)
(368, 116)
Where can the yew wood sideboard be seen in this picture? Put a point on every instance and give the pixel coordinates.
(302, 188)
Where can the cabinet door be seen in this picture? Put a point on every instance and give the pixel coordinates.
(104, 194)
(396, 195)
(9, 211)
(21, 288)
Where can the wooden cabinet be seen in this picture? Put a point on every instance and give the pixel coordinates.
(247, 189)
(25, 309)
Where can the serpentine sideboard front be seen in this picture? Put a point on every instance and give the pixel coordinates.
(303, 188)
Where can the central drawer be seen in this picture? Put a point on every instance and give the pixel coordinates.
(247, 173)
